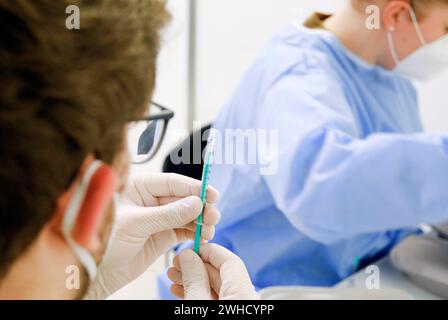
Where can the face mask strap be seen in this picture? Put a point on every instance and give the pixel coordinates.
(390, 42)
(83, 255)
(417, 27)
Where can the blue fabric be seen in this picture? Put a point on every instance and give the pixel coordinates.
(356, 175)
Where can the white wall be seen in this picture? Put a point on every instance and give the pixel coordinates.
(231, 32)
(434, 104)
(171, 89)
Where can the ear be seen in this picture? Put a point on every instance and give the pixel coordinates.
(395, 13)
(90, 194)
(98, 196)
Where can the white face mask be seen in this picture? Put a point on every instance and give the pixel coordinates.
(425, 63)
(83, 255)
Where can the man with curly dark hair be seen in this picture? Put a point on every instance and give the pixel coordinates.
(66, 99)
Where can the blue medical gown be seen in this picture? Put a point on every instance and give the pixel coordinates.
(355, 173)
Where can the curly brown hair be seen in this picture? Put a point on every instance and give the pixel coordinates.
(66, 94)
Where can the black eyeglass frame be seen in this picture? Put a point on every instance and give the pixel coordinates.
(166, 115)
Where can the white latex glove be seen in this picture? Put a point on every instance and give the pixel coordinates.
(156, 213)
(217, 274)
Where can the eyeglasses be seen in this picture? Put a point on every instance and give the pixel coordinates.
(145, 135)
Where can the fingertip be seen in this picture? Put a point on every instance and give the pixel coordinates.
(208, 232)
(177, 291)
(171, 273)
(194, 201)
(190, 261)
(192, 208)
(174, 275)
(212, 215)
(207, 248)
(170, 270)
(212, 194)
(176, 263)
(216, 254)
(187, 254)
(187, 258)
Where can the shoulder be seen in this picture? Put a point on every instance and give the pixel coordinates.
(300, 52)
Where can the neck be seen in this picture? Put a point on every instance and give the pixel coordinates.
(348, 25)
(38, 275)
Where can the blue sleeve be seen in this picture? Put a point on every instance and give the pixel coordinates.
(330, 183)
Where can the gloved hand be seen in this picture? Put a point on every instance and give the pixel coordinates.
(216, 274)
(155, 213)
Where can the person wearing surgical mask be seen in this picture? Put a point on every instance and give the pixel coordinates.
(355, 174)
(430, 58)
(72, 224)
